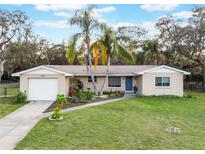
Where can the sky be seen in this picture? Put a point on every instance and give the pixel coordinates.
(51, 21)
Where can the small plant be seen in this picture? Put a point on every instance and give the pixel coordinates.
(89, 94)
(83, 100)
(61, 100)
(113, 95)
(73, 100)
(20, 98)
(84, 96)
(56, 114)
(81, 96)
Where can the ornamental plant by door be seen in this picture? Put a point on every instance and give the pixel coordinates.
(61, 100)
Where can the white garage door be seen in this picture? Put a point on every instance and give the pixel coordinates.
(43, 89)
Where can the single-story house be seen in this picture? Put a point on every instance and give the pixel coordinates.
(45, 82)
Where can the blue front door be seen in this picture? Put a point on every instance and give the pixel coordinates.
(128, 83)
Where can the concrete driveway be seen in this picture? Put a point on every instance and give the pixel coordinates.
(15, 126)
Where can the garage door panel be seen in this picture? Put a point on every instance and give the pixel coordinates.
(43, 89)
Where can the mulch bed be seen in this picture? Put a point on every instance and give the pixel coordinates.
(70, 105)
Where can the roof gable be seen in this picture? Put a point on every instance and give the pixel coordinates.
(164, 69)
(42, 70)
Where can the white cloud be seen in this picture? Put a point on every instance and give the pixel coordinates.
(183, 15)
(122, 24)
(105, 9)
(99, 11)
(52, 23)
(57, 7)
(62, 14)
(158, 7)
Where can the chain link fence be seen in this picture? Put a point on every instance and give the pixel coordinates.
(9, 89)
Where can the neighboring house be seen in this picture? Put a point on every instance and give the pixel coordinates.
(45, 82)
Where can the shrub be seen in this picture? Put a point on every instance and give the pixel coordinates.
(80, 94)
(113, 95)
(61, 99)
(73, 100)
(89, 94)
(56, 113)
(84, 96)
(83, 100)
(20, 98)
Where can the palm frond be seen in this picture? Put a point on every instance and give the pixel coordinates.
(70, 54)
(124, 54)
(95, 55)
(103, 52)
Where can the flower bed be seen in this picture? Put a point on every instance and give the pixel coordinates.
(74, 104)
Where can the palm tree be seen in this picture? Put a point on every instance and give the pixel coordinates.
(151, 53)
(88, 24)
(112, 49)
(70, 54)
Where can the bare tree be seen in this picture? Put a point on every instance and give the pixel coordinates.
(10, 24)
(186, 39)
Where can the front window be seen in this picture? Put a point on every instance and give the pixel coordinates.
(90, 79)
(114, 81)
(162, 81)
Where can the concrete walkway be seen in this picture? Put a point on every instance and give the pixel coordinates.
(15, 126)
(89, 105)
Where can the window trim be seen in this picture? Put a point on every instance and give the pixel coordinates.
(114, 77)
(95, 79)
(162, 82)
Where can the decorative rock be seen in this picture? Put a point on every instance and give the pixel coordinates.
(50, 118)
(173, 129)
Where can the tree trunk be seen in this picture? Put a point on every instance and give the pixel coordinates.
(106, 77)
(1, 69)
(90, 69)
(204, 77)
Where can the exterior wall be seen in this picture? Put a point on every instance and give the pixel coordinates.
(145, 83)
(139, 84)
(62, 82)
(99, 83)
(175, 88)
(67, 84)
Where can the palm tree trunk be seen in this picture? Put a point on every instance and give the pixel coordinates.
(106, 77)
(90, 70)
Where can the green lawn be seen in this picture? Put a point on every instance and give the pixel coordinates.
(137, 123)
(7, 106)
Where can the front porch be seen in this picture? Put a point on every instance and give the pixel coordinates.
(127, 84)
